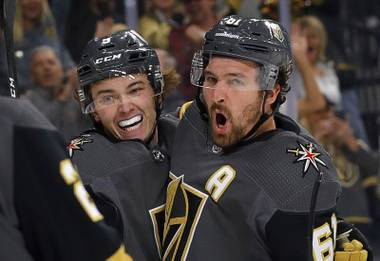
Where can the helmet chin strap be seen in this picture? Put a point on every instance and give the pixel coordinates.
(200, 103)
(263, 117)
(151, 136)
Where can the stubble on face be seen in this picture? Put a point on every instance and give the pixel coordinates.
(240, 124)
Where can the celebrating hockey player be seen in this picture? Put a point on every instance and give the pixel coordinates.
(247, 182)
(123, 160)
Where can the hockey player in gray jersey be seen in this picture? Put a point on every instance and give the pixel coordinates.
(123, 161)
(247, 182)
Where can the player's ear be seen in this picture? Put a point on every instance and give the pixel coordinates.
(96, 116)
(272, 94)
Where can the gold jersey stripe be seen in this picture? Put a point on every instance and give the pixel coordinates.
(183, 109)
(120, 255)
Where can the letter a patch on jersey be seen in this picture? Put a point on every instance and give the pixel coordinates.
(183, 208)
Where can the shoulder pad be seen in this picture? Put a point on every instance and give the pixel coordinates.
(168, 119)
(287, 166)
(167, 125)
(195, 116)
(96, 156)
(286, 123)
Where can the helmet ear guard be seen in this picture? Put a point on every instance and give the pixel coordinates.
(197, 69)
(118, 55)
(156, 78)
(268, 76)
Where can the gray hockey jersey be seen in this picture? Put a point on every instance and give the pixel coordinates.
(251, 202)
(127, 180)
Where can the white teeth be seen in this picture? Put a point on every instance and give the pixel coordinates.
(133, 127)
(131, 122)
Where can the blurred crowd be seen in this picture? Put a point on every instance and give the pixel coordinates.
(335, 90)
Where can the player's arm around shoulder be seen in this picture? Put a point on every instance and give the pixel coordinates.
(167, 126)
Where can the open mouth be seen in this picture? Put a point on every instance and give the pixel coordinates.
(311, 50)
(131, 123)
(221, 120)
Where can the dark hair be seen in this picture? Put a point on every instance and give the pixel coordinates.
(282, 80)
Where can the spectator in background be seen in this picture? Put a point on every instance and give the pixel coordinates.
(88, 19)
(187, 39)
(167, 62)
(313, 75)
(357, 168)
(241, 7)
(60, 10)
(109, 21)
(323, 69)
(248, 8)
(35, 26)
(52, 94)
(161, 17)
(316, 87)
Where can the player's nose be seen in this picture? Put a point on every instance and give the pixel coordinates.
(220, 92)
(125, 104)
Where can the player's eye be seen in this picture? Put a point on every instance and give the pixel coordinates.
(210, 80)
(235, 82)
(107, 99)
(135, 91)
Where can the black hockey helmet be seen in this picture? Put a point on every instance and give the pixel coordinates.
(120, 54)
(263, 41)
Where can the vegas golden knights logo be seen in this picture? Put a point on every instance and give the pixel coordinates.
(275, 30)
(176, 221)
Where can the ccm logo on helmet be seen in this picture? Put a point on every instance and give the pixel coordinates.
(108, 58)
